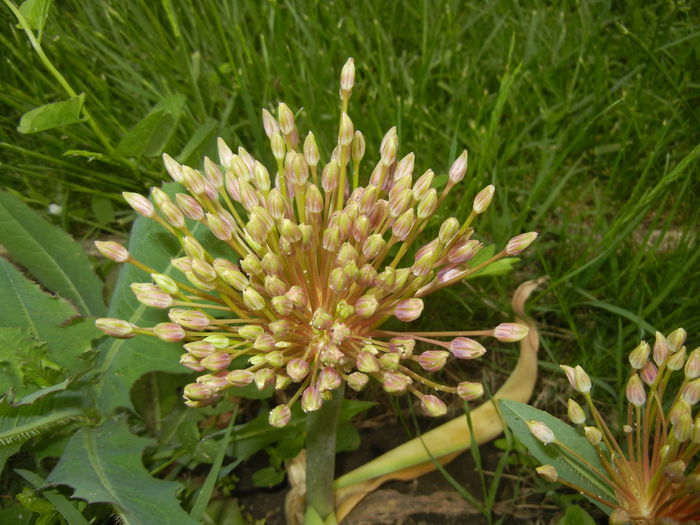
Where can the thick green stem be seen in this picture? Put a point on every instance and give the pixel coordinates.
(321, 427)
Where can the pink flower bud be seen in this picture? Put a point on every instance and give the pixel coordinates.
(191, 319)
(483, 200)
(510, 332)
(395, 382)
(402, 345)
(173, 168)
(311, 400)
(298, 296)
(139, 203)
(116, 327)
(661, 349)
(357, 381)
(389, 361)
(169, 332)
(469, 390)
(635, 391)
(691, 392)
(328, 379)
(191, 362)
(466, 348)
(113, 251)
(280, 416)
(388, 147)
(433, 406)
(367, 362)
(541, 431)
(297, 369)
(423, 185)
(217, 361)
(219, 228)
(427, 205)
(198, 391)
(189, 206)
(432, 360)
(692, 365)
(519, 243)
(200, 349)
(459, 168)
(264, 378)
(409, 309)
(282, 304)
(286, 118)
(347, 77)
(464, 251)
(346, 132)
(638, 357)
(155, 299)
(239, 378)
(648, 373)
(403, 225)
(423, 264)
(373, 246)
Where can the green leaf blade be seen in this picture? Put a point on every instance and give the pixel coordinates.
(50, 254)
(50, 116)
(103, 464)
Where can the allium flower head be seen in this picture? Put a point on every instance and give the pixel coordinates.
(316, 264)
(653, 470)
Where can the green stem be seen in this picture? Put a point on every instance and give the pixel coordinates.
(56, 74)
(321, 427)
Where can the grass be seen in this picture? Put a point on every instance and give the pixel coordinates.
(584, 115)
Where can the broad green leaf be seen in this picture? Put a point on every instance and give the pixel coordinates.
(35, 13)
(67, 509)
(268, 477)
(150, 136)
(516, 416)
(50, 254)
(18, 424)
(499, 267)
(103, 464)
(102, 209)
(123, 361)
(54, 115)
(575, 515)
(24, 305)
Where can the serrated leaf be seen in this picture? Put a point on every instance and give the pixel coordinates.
(123, 361)
(67, 509)
(24, 305)
(50, 254)
(24, 366)
(516, 416)
(103, 464)
(18, 424)
(50, 116)
(35, 13)
(150, 136)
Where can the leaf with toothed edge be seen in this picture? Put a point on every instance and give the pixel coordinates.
(103, 464)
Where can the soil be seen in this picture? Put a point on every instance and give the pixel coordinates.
(428, 500)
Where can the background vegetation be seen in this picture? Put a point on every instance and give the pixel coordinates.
(585, 115)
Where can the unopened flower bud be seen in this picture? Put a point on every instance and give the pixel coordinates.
(297, 369)
(403, 225)
(638, 357)
(373, 246)
(423, 185)
(193, 248)
(619, 516)
(388, 147)
(433, 406)
(198, 391)
(155, 299)
(347, 77)
(677, 360)
(691, 392)
(298, 296)
(311, 400)
(116, 327)
(676, 339)
(139, 203)
(682, 428)
(321, 319)
(470, 390)
(389, 361)
(169, 332)
(409, 309)
(459, 168)
(432, 360)
(466, 348)
(280, 416)
(395, 382)
(165, 283)
(191, 362)
(519, 243)
(191, 319)
(576, 414)
(541, 431)
(661, 349)
(264, 378)
(692, 364)
(510, 332)
(448, 229)
(358, 146)
(200, 349)
(173, 167)
(217, 361)
(483, 200)
(113, 251)
(548, 472)
(648, 373)
(593, 435)
(252, 299)
(275, 359)
(635, 391)
(328, 379)
(357, 381)
(346, 132)
(240, 378)
(427, 205)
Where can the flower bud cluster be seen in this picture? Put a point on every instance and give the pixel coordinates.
(655, 476)
(315, 267)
